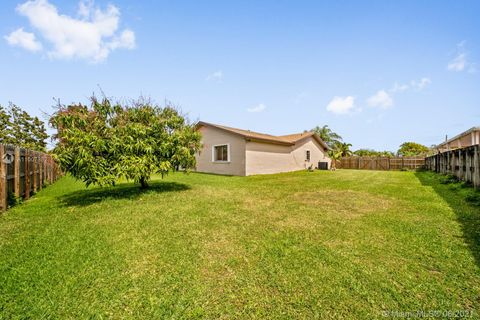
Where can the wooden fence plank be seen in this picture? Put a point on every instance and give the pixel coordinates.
(16, 182)
(381, 163)
(23, 171)
(34, 169)
(27, 175)
(3, 179)
(40, 171)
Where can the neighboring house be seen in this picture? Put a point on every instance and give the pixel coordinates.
(239, 152)
(465, 139)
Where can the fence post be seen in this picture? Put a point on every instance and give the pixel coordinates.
(34, 163)
(3, 179)
(476, 166)
(45, 171)
(16, 173)
(27, 174)
(50, 170)
(40, 171)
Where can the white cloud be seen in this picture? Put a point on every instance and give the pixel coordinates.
(215, 76)
(26, 40)
(92, 37)
(460, 62)
(421, 84)
(258, 108)
(85, 7)
(413, 84)
(381, 100)
(399, 87)
(341, 105)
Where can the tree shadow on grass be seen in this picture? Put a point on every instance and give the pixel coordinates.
(468, 214)
(127, 191)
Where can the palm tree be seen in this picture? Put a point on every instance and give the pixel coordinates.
(335, 155)
(340, 150)
(344, 149)
(328, 136)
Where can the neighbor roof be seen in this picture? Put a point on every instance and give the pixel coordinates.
(458, 136)
(290, 139)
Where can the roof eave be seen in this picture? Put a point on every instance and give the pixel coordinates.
(316, 137)
(460, 135)
(283, 143)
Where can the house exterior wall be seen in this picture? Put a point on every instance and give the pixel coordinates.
(265, 158)
(466, 140)
(317, 153)
(212, 136)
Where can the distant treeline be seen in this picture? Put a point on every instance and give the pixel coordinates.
(339, 148)
(19, 128)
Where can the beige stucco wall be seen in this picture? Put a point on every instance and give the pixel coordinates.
(213, 136)
(264, 158)
(317, 153)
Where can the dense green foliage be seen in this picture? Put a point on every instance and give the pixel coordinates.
(348, 244)
(373, 153)
(332, 139)
(19, 128)
(339, 148)
(344, 149)
(409, 149)
(103, 143)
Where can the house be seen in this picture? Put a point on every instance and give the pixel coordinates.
(465, 139)
(232, 151)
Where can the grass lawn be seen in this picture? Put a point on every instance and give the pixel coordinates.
(346, 244)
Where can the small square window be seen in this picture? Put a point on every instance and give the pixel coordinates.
(307, 155)
(220, 153)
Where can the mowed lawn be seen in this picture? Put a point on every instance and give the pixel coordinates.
(346, 245)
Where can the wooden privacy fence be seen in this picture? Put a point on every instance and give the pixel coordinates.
(381, 163)
(23, 172)
(463, 163)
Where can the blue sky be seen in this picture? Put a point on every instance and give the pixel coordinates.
(377, 72)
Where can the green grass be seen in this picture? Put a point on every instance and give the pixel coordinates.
(345, 244)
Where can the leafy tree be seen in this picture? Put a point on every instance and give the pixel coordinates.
(365, 152)
(409, 149)
(40, 133)
(103, 143)
(373, 153)
(388, 154)
(5, 126)
(328, 136)
(19, 128)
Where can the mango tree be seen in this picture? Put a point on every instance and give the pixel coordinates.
(105, 142)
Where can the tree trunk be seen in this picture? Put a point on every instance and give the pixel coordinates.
(143, 183)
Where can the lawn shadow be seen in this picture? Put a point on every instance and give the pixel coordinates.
(468, 215)
(122, 191)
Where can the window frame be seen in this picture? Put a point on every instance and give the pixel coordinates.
(308, 156)
(228, 153)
